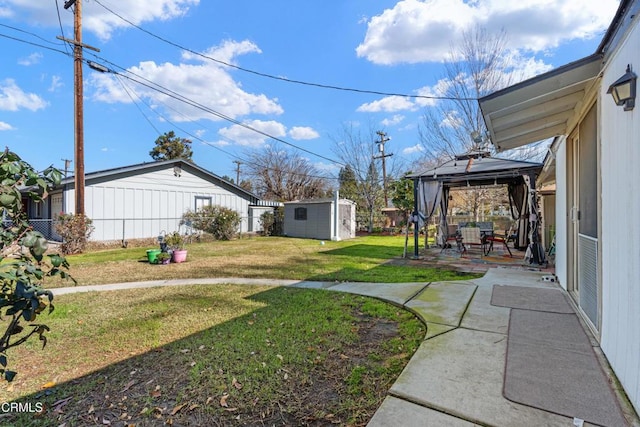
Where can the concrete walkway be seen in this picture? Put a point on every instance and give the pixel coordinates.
(456, 376)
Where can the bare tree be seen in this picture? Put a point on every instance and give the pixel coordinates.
(357, 149)
(280, 174)
(478, 66)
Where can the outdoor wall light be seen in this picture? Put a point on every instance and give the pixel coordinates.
(623, 90)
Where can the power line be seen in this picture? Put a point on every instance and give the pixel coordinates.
(60, 22)
(280, 78)
(240, 160)
(166, 91)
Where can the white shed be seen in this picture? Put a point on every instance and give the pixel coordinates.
(319, 219)
(141, 201)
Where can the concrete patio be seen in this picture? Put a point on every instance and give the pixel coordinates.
(456, 377)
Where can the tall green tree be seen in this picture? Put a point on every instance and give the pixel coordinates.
(169, 147)
(348, 184)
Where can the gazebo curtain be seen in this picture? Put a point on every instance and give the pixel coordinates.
(519, 203)
(429, 195)
(444, 208)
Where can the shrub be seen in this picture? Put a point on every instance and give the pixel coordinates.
(222, 223)
(272, 222)
(175, 241)
(23, 272)
(75, 231)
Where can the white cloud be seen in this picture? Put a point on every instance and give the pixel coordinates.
(56, 83)
(388, 104)
(303, 132)
(249, 138)
(97, 19)
(12, 98)
(5, 126)
(452, 120)
(418, 148)
(392, 121)
(32, 59)
(200, 81)
(414, 31)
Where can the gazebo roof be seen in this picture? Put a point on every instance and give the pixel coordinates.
(478, 169)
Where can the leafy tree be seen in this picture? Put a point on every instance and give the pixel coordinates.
(169, 147)
(24, 267)
(402, 198)
(348, 184)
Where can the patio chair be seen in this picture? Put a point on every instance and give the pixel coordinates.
(490, 240)
(452, 235)
(471, 236)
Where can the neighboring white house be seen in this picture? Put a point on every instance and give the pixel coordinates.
(594, 162)
(319, 219)
(142, 200)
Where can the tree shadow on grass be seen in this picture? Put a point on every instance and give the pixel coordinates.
(366, 251)
(272, 364)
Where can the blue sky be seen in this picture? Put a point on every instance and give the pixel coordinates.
(378, 45)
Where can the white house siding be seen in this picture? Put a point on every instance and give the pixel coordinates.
(143, 205)
(620, 168)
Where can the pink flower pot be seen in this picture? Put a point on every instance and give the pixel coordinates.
(179, 256)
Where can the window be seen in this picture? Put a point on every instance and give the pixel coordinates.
(300, 214)
(202, 201)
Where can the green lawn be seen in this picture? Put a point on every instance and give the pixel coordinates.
(222, 354)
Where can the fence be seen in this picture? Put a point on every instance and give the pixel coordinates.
(122, 229)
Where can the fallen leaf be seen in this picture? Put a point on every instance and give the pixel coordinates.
(236, 384)
(231, 409)
(193, 406)
(128, 386)
(106, 422)
(185, 350)
(202, 347)
(155, 393)
(279, 356)
(286, 376)
(250, 322)
(209, 400)
(344, 356)
(91, 409)
(192, 364)
(223, 401)
(178, 408)
(48, 385)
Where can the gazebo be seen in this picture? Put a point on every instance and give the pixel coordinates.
(477, 168)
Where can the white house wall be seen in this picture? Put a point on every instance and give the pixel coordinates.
(620, 168)
(143, 205)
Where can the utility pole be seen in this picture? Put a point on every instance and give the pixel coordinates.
(383, 139)
(238, 163)
(78, 103)
(67, 163)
